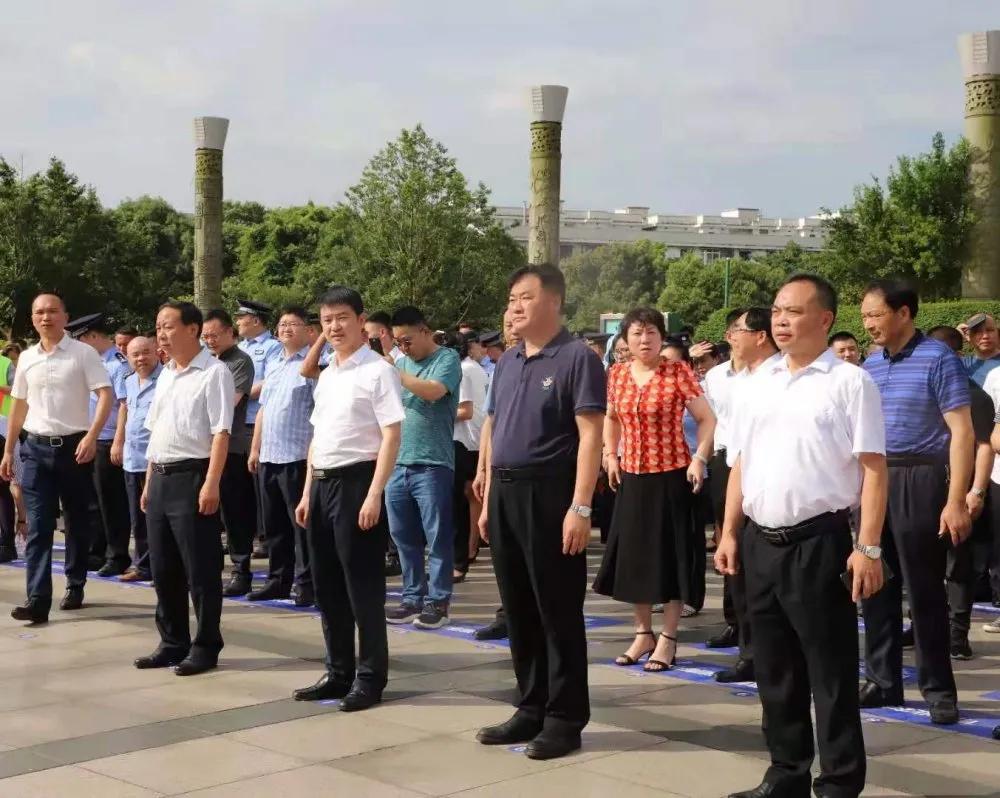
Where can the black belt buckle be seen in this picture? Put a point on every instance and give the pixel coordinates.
(53, 439)
(321, 474)
(160, 468)
(505, 475)
(777, 537)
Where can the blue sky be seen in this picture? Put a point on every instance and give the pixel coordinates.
(684, 106)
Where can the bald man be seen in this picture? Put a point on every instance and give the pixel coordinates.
(131, 440)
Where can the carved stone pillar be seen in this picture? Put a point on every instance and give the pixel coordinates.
(980, 54)
(210, 138)
(548, 105)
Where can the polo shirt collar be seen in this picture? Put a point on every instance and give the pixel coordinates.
(300, 355)
(63, 343)
(359, 356)
(202, 361)
(779, 362)
(551, 348)
(906, 351)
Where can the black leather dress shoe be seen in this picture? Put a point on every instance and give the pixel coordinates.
(30, 612)
(272, 590)
(8, 554)
(996, 732)
(238, 585)
(727, 638)
(871, 696)
(742, 671)
(158, 659)
(73, 599)
(944, 712)
(552, 746)
(325, 689)
(192, 667)
(393, 566)
(111, 569)
(766, 790)
(494, 631)
(305, 597)
(519, 729)
(357, 700)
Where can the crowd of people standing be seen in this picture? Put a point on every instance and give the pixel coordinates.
(355, 446)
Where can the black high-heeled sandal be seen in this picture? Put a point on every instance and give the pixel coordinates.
(661, 665)
(625, 660)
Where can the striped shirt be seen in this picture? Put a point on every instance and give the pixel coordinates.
(264, 350)
(920, 383)
(287, 397)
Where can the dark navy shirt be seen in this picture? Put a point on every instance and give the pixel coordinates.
(920, 383)
(534, 402)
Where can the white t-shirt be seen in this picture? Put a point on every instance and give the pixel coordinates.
(799, 437)
(992, 387)
(472, 389)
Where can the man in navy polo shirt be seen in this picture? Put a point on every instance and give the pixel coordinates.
(547, 404)
(929, 447)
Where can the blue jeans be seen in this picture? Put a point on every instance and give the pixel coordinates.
(418, 502)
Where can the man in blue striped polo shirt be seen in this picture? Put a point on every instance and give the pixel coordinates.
(278, 456)
(929, 447)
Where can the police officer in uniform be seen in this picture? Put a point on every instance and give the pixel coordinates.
(50, 415)
(189, 423)
(109, 477)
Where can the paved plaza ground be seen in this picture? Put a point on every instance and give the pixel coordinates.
(76, 719)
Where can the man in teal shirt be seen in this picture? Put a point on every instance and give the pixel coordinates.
(419, 494)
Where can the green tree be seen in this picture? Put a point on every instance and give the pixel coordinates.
(424, 237)
(916, 225)
(612, 279)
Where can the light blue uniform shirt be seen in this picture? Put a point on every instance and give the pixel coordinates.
(264, 350)
(116, 364)
(287, 397)
(137, 402)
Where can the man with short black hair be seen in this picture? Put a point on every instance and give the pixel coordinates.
(548, 399)
(379, 326)
(929, 446)
(419, 494)
(50, 414)
(845, 346)
(123, 336)
(236, 485)
(189, 423)
(981, 332)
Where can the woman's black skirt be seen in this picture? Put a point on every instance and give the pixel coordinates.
(648, 556)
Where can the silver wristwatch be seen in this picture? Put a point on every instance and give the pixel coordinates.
(581, 510)
(978, 492)
(871, 552)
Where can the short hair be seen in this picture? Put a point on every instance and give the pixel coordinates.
(221, 316)
(725, 351)
(843, 335)
(342, 295)
(56, 294)
(826, 294)
(678, 343)
(382, 318)
(758, 319)
(733, 316)
(460, 342)
(294, 310)
(897, 293)
(947, 335)
(189, 312)
(551, 278)
(644, 316)
(126, 330)
(409, 316)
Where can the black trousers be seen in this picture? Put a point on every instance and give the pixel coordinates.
(542, 591)
(995, 532)
(135, 482)
(238, 502)
(967, 567)
(734, 591)
(348, 570)
(806, 640)
(287, 547)
(8, 514)
(185, 554)
(260, 533)
(112, 499)
(912, 549)
(465, 472)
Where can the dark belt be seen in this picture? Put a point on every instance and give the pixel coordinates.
(720, 452)
(810, 528)
(903, 460)
(532, 472)
(55, 441)
(179, 467)
(342, 472)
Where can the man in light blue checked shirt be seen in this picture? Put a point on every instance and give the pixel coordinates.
(278, 456)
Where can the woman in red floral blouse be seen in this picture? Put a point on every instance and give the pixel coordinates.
(646, 550)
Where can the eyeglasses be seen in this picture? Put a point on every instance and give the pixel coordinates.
(735, 330)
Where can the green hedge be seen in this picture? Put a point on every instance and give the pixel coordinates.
(932, 314)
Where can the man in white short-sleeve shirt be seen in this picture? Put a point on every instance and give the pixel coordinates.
(807, 444)
(356, 433)
(51, 416)
(189, 424)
